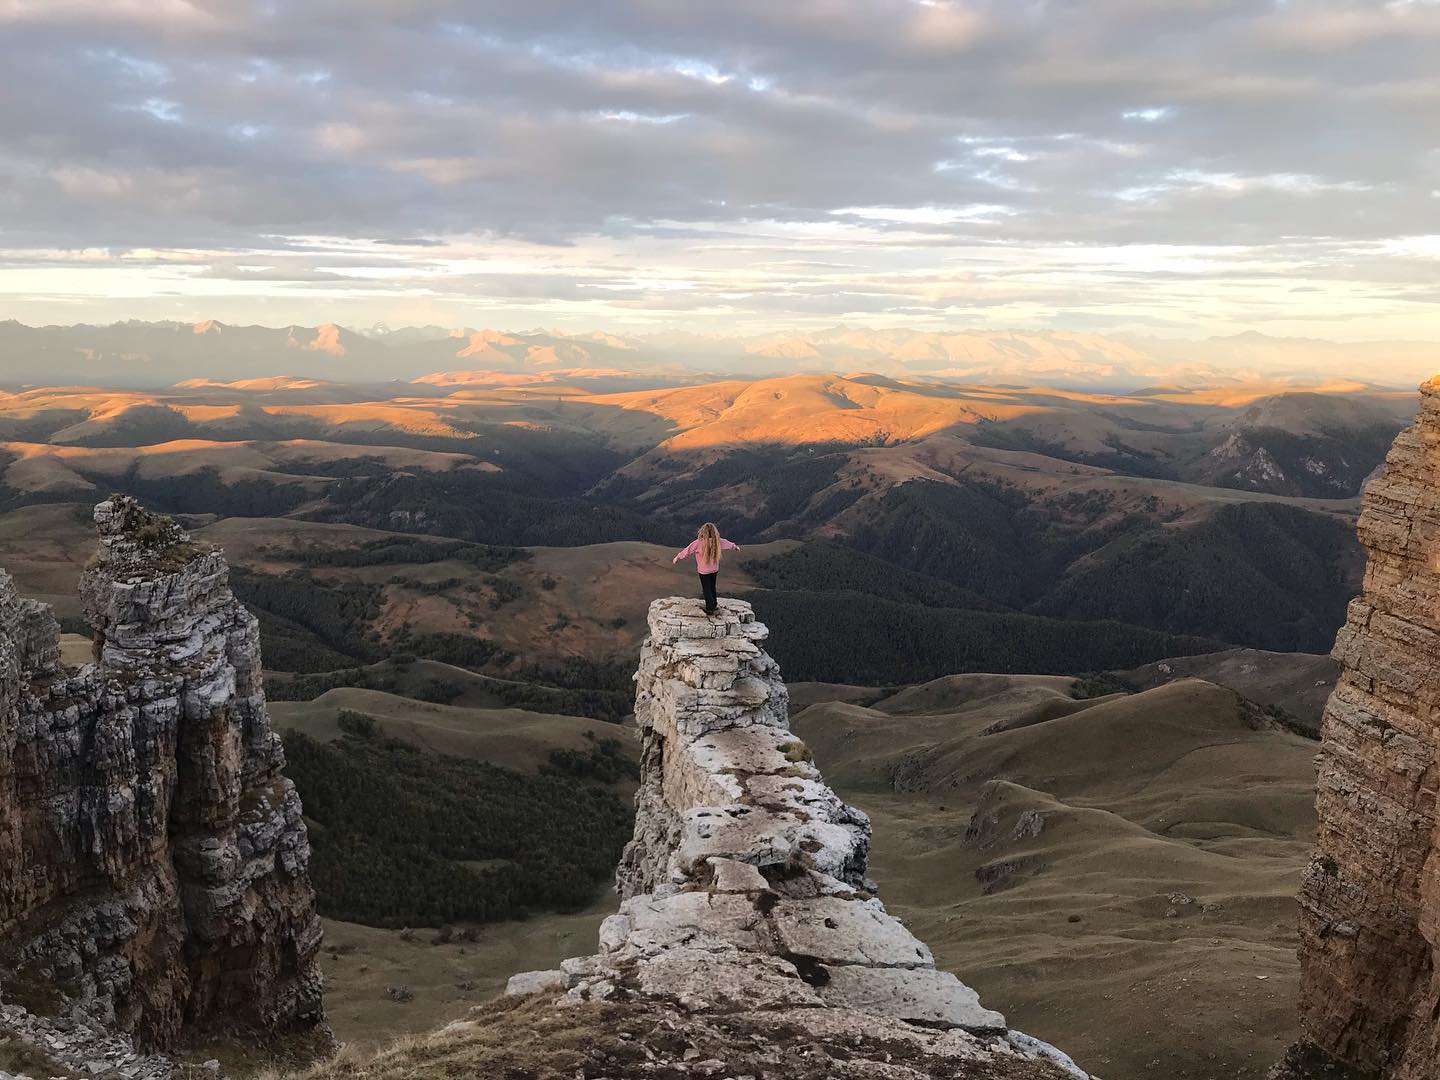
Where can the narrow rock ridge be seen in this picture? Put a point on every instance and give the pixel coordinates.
(744, 886)
(153, 858)
(1370, 899)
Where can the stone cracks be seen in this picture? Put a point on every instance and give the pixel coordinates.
(745, 885)
(153, 858)
(1370, 899)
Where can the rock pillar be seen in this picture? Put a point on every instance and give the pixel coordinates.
(745, 885)
(153, 858)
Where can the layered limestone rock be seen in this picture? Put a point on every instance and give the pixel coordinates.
(152, 853)
(744, 886)
(1370, 922)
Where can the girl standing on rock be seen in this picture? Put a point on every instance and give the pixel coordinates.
(706, 548)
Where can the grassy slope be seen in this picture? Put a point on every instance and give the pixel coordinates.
(511, 738)
(1299, 683)
(44, 548)
(1073, 930)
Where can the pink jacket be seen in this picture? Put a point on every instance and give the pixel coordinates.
(701, 566)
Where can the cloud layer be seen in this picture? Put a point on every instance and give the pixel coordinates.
(1162, 166)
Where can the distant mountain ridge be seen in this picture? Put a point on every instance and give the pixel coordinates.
(153, 354)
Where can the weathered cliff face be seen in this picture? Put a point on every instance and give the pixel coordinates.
(1370, 922)
(744, 886)
(152, 853)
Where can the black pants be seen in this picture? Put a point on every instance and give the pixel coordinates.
(707, 586)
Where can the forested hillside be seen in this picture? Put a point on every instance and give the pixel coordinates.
(405, 837)
(982, 527)
(852, 637)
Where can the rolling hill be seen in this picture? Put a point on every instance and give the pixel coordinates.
(1122, 863)
(1024, 520)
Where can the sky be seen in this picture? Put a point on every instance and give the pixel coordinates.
(1175, 168)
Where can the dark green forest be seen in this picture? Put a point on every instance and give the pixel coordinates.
(1010, 582)
(991, 538)
(481, 508)
(396, 550)
(1348, 455)
(308, 624)
(1118, 456)
(203, 492)
(597, 704)
(604, 760)
(826, 565)
(783, 480)
(448, 647)
(394, 676)
(405, 837)
(853, 637)
(1259, 574)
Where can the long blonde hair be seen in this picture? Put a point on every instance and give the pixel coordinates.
(709, 537)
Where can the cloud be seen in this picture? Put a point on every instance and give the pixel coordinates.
(660, 139)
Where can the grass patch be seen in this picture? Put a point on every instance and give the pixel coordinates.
(796, 752)
(395, 550)
(21, 1057)
(1259, 716)
(1097, 684)
(449, 647)
(525, 1038)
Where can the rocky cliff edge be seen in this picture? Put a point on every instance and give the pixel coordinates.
(1370, 901)
(153, 859)
(745, 893)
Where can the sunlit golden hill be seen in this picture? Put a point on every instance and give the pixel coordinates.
(911, 428)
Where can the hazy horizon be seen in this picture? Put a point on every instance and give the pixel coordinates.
(139, 353)
(317, 317)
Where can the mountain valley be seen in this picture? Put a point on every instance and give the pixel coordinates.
(1064, 649)
(1027, 505)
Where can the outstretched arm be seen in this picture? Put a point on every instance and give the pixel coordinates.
(685, 554)
(729, 545)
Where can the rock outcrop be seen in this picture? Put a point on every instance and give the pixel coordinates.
(1370, 900)
(745, 888)
(153, 859)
